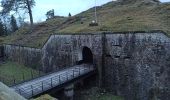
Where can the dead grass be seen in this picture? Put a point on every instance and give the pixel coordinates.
(45, 97)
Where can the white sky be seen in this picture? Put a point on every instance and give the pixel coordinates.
(63, 7)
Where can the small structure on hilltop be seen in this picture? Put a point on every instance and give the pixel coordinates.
(95, 21)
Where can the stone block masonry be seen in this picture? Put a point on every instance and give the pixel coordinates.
(138, 66)
(65, 50)
(30, 57)
(135, 65)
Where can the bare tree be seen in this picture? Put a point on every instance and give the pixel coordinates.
(16, 6)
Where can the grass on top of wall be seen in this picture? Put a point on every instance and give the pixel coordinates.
(10, 71)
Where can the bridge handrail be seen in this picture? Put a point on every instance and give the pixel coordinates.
(62, 74)
(53, 79)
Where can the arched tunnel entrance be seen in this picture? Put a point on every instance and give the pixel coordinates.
(87, 56)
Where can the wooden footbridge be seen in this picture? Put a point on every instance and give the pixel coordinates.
(54, 80)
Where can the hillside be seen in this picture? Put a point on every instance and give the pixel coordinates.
(114, 16)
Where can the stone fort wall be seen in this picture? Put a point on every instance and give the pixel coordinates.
(131, 64)
(137, 66)
(65, 50)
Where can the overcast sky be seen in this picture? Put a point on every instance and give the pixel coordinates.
(63, 7)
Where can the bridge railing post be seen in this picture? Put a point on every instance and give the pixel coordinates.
(73, 73)
(51, 82)
(67, 75)
(32, 74)
(59, 79)
(32, 91)
(83, 68)
(79, 71)
(89, 66)
(42, 86)
(19, 91)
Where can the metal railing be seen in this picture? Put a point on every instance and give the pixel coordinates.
(53, 81)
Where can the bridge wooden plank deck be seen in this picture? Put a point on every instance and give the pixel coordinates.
(44, 83)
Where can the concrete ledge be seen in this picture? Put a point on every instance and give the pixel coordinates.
(8, 94)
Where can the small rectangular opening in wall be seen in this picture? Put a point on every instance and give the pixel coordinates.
(107, 55)
(117, 45)
(62, 51)
(66, 43)
(116, 56)
(127, 57)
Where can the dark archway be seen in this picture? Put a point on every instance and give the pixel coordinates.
(87, 55)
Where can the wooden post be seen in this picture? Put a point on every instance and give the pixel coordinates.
(39, 72)
(14, 79)
(23, 76)
(32, 74)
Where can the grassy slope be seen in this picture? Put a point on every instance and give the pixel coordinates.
(9, 70)
(128, 18)
(112, 17)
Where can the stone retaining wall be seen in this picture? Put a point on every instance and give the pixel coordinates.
(30, 57)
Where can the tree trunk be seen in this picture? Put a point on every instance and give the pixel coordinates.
(30, 12)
